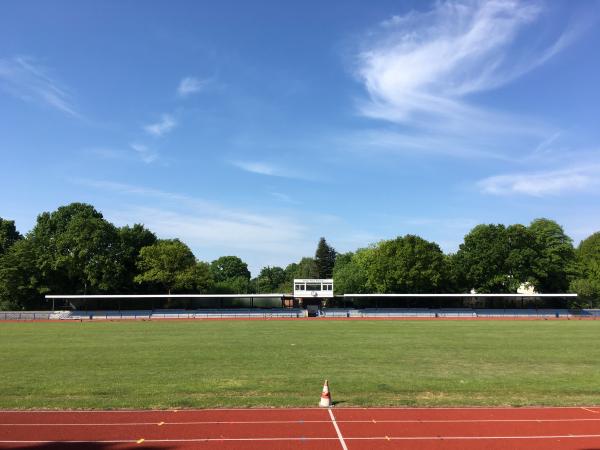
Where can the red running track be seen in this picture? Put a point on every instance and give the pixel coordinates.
(309, 429)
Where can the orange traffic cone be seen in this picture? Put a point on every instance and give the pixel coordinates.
(325, 397)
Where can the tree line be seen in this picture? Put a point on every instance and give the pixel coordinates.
(75, 250)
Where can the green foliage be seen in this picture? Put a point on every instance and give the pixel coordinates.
(271, 279)
(406, 264)
(231, 276)
(168, 263)
(495, 258)
(587, 269)
(350, 272)
(229, 267)
(588, 293)
(235, 285)
(8, 235)
(196, 278)
(482, 258)
(19, 278)
(456, 281)
(324, 259)
(132, 240)
(555, 255)
(75, 251)
(307, 268)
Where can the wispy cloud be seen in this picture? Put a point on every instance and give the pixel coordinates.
(162, 127)
(212, 229)
(543, 183)
(406, 143)
(421, 70)
(269, 169)
(423, 64)
(26, 79)
(191, 85)
(144, 152)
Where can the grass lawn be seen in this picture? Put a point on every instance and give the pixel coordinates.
(283, 363)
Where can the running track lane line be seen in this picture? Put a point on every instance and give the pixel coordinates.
(337, 429)
(259, 422)
(590, 410)
(282, 439)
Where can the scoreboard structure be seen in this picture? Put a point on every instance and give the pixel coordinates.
(313, 288)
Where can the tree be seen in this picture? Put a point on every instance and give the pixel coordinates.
(455, 276)
(76, 251)
(271, 279)
(555, 255)
(19, 278)
(229, 267)
(407, 264)
(586, 282)
(196, 278)
(166, 262)
(521, 256)
(132, 240)
(325, 259)
(307, 268)
(351, 272)
(588, 251)
(8, 235)
(482, 259)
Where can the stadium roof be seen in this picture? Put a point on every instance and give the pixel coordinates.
(460, 295)
(279, 295)
(134, 296)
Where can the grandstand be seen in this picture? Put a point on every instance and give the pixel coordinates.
(277, 305)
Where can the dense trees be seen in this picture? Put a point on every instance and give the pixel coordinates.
(271, 279)
(407, 264)
(8, 235)
(494, 258)
(75, 250)
(231, 275)
(586, 270)
(350, 273)
(555, 255)
(166, 263)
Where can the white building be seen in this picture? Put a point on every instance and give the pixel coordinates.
(526, 288)
(315, 288)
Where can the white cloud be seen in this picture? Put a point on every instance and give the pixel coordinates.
(165, 125)
(418, 68)
(145, 153)
(211, 229)
(394, 142)
(27, 80)
(269, 169)
(539, 184)
(191, 85)
(256, 167)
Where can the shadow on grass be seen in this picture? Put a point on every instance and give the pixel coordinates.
(89, 446)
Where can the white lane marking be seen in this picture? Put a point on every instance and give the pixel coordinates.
(275, 422)
(475, 438)
(337, 429)
(590, 410)
(368, 438)
(352, 408)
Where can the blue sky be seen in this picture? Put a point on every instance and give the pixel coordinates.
(254, 128)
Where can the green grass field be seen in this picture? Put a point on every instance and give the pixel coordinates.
(283, 363)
